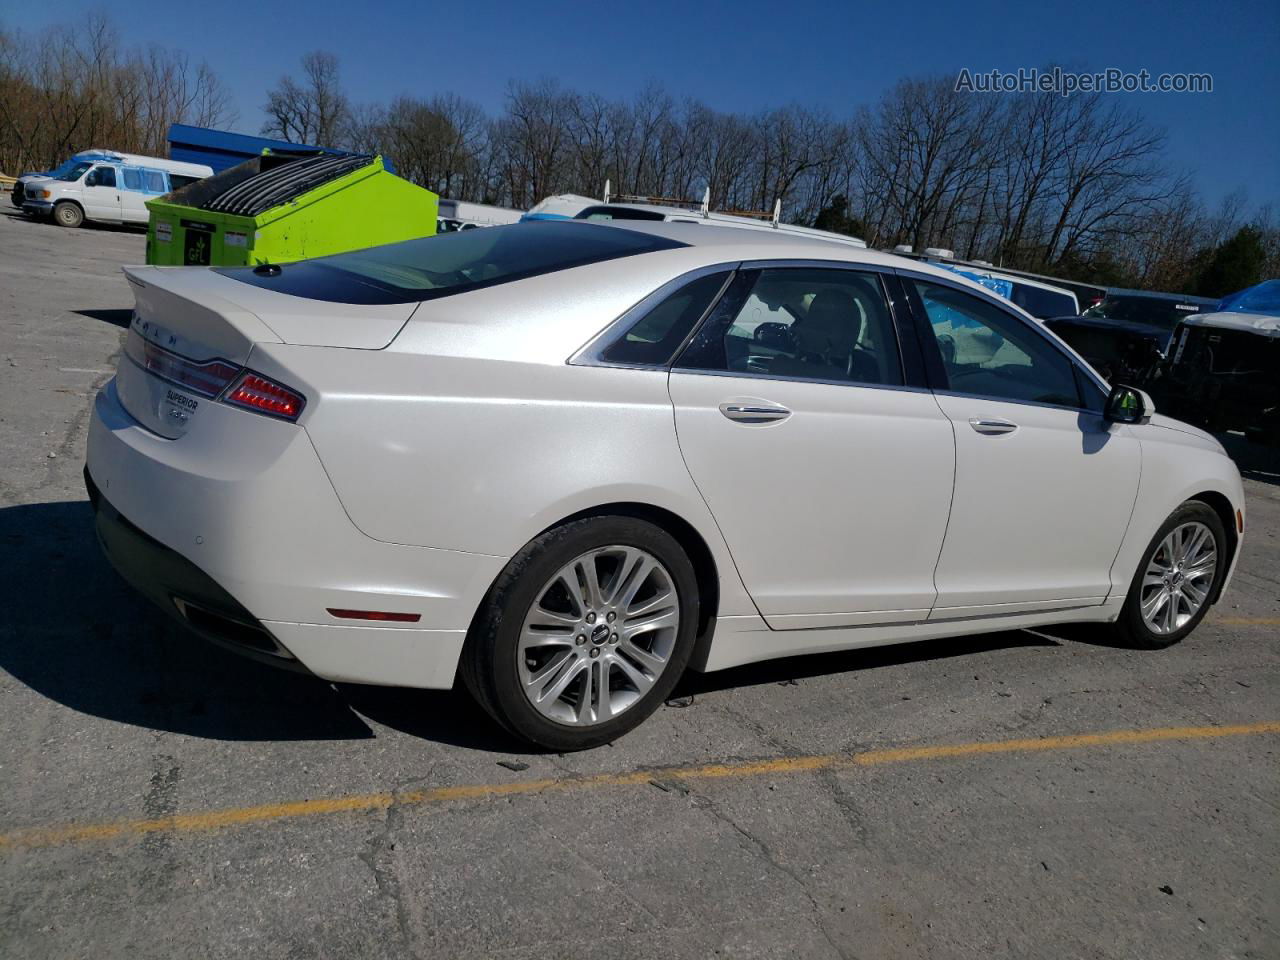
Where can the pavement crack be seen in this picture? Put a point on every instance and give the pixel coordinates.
(762, 848)
(844, 803)
(379, 857)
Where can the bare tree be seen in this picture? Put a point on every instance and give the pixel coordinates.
(311, 110)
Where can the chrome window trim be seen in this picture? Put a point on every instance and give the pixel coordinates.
(1027, 321)
(590, 354)
(756, 375)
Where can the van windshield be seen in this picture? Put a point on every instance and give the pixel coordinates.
(76, 171)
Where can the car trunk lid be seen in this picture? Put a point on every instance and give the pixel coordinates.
(193, 331)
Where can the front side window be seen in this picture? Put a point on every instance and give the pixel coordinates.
(801, 322)
(101, 177)
(656, 336)
(991, 353)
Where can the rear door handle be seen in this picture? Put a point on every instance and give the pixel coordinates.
(754, 412)
(992, 428)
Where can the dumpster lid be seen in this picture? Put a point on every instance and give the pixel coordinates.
(283, 183)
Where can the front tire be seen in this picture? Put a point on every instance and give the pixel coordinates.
(67, 214)
(1179, 574)
(584, 633)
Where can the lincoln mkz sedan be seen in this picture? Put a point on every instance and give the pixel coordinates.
(566, 461)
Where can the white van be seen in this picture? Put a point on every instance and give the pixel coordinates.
(112, 189)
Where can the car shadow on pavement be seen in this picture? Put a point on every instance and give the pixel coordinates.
(119, 318)
(73, 631)
(811, 665)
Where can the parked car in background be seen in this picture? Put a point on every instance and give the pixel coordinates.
(1223, 370)
(18, 195)
(1126, 336)
(567, 460)
(462, 215)
(562, 206)
(657, 209)
(111, 188)
(1039, 299)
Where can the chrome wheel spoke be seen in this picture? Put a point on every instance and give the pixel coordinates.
(640, 679)
(598, 636)
(1195, 593)
(1155, 603)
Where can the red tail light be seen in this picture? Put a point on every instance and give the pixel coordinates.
(207, 379)
(255, 392)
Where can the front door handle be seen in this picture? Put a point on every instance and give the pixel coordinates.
(754, 412)
(992, 428)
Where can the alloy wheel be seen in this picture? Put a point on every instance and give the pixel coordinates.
(599, 635)
(1178, 578)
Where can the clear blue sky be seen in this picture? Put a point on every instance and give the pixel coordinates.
(746, 55)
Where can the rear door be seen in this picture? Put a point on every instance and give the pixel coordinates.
(827, 469)
(1044, 486)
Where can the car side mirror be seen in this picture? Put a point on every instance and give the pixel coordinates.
(1128, 405)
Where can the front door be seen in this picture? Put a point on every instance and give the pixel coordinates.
(1044, 486)
(829, 479)
(102, 194)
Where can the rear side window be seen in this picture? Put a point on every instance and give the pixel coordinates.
(153, 181)
(442, 266)
(177, 181)
(801, 323)
(132, 178)
(656, 336)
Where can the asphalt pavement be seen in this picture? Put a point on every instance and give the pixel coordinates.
(1012, 795)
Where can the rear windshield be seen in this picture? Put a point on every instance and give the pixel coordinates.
(451, 263)
(1043, 303)
(618, 213)
(1157, 311)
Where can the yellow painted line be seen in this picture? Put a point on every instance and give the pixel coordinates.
(362, 803)
(1249, 621)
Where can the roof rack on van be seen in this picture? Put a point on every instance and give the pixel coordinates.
(703, 206)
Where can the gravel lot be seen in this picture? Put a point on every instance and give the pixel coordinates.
(160, 798)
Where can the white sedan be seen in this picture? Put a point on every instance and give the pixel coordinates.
(568, 460)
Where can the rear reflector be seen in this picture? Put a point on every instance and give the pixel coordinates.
(375, 615)
(1239, 521)
(208, 379)
(265, 396)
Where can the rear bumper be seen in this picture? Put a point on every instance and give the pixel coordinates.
(180, 588)
(235, 527)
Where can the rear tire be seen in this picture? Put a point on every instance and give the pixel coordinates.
(1170, 593)
(569, 659)
(67, 214)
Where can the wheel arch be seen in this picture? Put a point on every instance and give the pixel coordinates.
(1226, 512)
(690, 540)
(686, 534)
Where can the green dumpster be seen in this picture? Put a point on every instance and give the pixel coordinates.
(277, 208)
